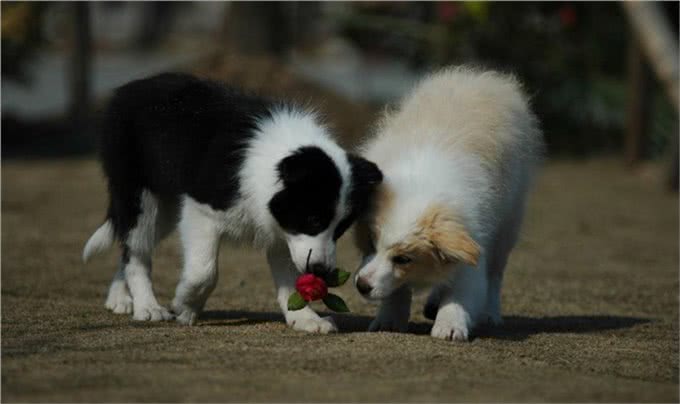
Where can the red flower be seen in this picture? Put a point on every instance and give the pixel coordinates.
(447, 11)
(567, 15)
(311, 287)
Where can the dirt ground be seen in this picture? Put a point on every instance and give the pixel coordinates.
(590, 305)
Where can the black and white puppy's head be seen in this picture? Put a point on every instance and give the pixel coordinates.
(317, 203)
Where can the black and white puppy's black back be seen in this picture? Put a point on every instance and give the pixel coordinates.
(182, 151)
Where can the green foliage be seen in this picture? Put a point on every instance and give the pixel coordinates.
(335, 303)
(571, 63)
(337, 278)
(296, 301)
(572, 58)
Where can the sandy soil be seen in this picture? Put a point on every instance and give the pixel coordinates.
(591, 309)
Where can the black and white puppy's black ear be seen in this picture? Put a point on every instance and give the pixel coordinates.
(311, 189)
(365, 174)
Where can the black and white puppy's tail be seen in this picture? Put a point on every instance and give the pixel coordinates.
(101, 240)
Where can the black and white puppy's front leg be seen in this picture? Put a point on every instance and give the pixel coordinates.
(200, 233)
(285, 273)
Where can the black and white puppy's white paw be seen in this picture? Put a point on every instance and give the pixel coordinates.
(151, 312)
(118, 299)
(308, 321)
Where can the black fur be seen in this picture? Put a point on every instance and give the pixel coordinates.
(175, 134)
(311, 191)
(366, 176)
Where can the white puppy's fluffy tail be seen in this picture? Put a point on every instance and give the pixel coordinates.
(101, 240)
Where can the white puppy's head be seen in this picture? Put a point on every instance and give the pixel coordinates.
(318, 203)
(409, 243)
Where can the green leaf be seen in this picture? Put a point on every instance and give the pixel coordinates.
(296, 301)
(336, 278)
(343, 276)
(335, 303)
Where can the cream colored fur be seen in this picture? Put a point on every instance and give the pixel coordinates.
(464, 143)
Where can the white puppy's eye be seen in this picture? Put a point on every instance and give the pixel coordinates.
(401, 259)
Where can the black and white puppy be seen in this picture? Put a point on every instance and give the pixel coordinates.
(182, 151)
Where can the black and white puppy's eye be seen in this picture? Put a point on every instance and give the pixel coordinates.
(401, 259)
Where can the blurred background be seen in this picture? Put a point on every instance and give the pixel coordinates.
(591, 292)
(596, 86)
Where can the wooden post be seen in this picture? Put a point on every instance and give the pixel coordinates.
(660, 44)
(639, 100)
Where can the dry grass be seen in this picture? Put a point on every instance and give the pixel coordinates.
(591, 306)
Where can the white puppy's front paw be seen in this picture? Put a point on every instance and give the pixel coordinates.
(151, 312)
(308, 321)
(186, 316)
(389, 321)
(449, 332)
(119, 302)
(452, 324)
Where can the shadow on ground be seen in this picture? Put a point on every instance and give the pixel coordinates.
(516, 328)
(519, 328)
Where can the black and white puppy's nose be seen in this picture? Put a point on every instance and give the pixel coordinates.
(319, 270)
(363, 286)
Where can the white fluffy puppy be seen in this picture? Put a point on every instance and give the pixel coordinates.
(458, 156)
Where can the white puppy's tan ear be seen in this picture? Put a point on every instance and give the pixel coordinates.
(451, 241)
(458, 246)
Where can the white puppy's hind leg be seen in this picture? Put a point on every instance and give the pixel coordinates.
(461, 306)
(200, 241)
(118, 299)
(493, 300)
(503, 245)
(284, 274)
(394, 312)
(496, 268)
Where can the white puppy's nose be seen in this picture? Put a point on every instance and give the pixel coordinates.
(363, 286)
